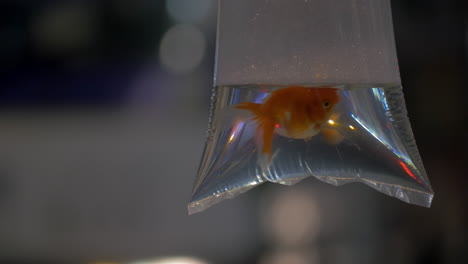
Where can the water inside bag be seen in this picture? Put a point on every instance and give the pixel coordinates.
(376, 147)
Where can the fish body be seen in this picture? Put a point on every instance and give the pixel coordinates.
(295, 112)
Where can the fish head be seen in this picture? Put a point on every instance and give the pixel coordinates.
(320, 104)
(307, 112)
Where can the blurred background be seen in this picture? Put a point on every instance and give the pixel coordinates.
(103, 112)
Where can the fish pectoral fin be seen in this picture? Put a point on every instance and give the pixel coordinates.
(335, 116)
(332, 136)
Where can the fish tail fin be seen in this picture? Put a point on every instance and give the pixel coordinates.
(252, 107)
(267, 128)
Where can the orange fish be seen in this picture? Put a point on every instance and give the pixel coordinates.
(295, 112)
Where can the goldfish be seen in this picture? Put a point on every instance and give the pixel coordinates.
(294, 112)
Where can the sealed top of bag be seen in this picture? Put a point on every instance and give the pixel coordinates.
(306, 42)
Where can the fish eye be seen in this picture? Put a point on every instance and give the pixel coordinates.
(326, 104)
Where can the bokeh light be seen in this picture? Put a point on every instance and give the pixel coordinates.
(173, 260)
(288, 256)
(63, 28)
(188, 11)
(182, 48)
(293, 218)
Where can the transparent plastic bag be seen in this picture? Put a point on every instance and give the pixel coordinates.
(342, 124)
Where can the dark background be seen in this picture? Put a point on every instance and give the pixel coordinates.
(104, 106)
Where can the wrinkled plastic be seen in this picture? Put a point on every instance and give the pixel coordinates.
(372, 138)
